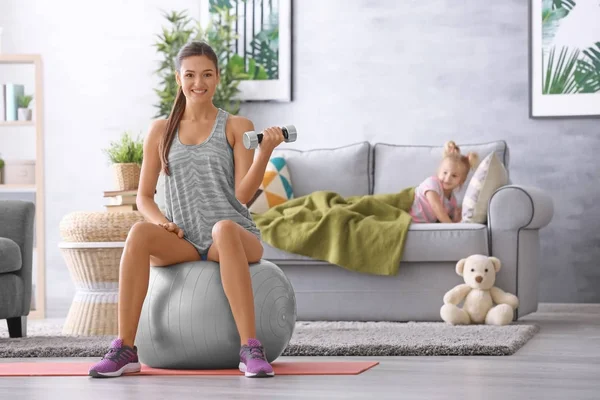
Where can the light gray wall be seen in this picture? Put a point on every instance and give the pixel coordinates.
(423, 72)
(410, 72)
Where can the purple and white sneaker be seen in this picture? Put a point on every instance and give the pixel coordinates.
(119, 360)
(253, 361)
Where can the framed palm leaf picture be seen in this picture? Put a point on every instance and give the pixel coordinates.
(564, 58)
(260, 36)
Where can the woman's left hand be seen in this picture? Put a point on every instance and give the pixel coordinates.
(272, 137)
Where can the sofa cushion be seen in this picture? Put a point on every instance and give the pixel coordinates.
(401, 166)
(10, 256)
(424, 243)
(489, 176)
(275, 188)
(345, 170)
(444, 242)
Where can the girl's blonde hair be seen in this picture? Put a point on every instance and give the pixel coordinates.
(452, 151)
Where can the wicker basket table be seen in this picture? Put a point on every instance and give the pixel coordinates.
(92, 247)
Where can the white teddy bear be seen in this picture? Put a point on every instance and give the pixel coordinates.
(479, 295)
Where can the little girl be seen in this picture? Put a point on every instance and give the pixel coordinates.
(434, 198)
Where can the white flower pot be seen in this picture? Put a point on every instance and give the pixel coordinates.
(24, 114)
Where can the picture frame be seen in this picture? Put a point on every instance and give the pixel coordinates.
(564, 58)
(264, 28)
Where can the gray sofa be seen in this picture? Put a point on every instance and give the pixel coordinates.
(427, 270)
(16, 253)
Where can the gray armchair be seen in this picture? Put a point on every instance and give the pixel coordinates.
(16, 253)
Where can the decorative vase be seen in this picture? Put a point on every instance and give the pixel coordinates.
(24, 114)
(126, 175)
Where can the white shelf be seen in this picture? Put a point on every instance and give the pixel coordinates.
(17, 123)
(19, 58)
(17, 188)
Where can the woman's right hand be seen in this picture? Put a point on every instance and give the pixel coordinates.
(272, 137)
(172, 227)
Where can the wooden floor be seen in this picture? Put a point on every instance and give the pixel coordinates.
(561, 362)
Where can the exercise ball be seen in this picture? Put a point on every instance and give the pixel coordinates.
(186, 320)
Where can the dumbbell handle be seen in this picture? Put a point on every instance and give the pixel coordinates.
(252, 139)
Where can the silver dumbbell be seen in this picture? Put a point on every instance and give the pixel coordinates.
(252, 139)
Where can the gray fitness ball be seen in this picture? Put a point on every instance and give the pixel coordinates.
(186, 320)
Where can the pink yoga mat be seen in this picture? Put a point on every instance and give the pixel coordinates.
(280, 368)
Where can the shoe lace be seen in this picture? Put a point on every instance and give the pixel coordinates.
(257, 352)
(115, 355)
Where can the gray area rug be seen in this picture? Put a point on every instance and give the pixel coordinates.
(310, 339)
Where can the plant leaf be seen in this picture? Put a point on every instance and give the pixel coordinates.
(587, 74)
(566, 4)
(552, 13)
(559, 77)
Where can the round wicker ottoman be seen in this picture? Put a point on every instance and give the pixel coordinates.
(92, 247)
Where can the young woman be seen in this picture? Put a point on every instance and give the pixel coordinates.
(209, 176)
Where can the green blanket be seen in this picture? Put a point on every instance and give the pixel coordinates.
(360, 233)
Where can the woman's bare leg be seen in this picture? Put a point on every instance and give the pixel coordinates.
(234, 248)
(146, 244)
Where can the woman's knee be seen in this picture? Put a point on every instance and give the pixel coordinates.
(224, 229)
(139, 234)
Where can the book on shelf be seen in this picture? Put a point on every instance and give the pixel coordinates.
(120, 200)
(112, 193)
(121, 208)
(10, 101)
(3, 103)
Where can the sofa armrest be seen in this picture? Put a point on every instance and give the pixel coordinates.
(515, 216)
(515, 207)
(16, 223)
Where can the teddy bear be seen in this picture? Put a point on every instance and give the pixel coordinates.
(479, 295)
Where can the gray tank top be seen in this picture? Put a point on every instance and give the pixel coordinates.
(200, 189)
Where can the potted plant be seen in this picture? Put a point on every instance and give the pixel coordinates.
(24, 112)
(126, 155)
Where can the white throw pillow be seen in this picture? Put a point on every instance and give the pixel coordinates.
(489, 176)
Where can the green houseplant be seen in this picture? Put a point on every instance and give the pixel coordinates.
(126, 156)
(24, 112)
